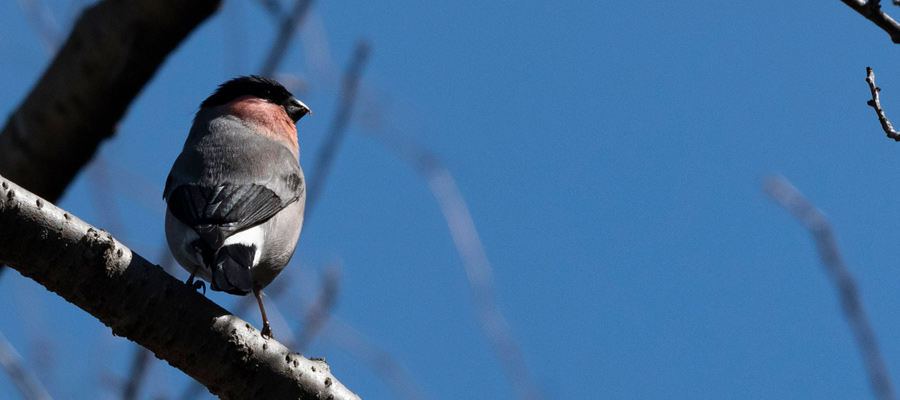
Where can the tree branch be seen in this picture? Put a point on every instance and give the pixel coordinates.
(114, 49)
(337, 130)
(471, 251)
(781, 191)
(876, 104)
(273, 7)
(379, 361)
(319, 312)
(140, 301)
(139, 365)
(284, 37)
(44, 24)
(872, 11)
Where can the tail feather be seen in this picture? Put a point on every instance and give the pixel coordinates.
(231, 269)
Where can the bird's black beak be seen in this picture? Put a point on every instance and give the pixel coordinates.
(296, 109)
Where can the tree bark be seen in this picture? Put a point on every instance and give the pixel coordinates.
(141, 302)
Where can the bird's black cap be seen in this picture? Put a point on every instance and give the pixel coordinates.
(257, 86)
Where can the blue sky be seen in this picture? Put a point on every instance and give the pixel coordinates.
(611, 155)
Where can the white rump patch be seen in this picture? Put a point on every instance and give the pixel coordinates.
(254, 236)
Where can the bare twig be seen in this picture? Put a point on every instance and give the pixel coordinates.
(783, 193)
(462, 229)
(139, 366)
(44, 24)
(27, 385)
(140, 190)
(286, 30)
(872, 11)
(876, 104)
(103, 198)
(379, 361)
(468, 245)
(273, 7)
(317, 314)
(336, 133)
(140, 301)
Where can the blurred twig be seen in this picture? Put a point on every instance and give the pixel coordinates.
(459, 222)
(44, 24)
(336, 133)
(872, 11)
(27, 385)
(783, 193)
(140, 364)
(103, 198)
(468, 245)
(273, 7)
(317, 314)
(379, 361)
(286, 30)
(876, 104)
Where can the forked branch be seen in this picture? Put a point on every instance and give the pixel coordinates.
(872, 11)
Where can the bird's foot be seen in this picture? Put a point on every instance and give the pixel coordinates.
(196, 285)
(200, 285)
(267, 331)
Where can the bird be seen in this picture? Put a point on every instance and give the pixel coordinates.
(236, 194)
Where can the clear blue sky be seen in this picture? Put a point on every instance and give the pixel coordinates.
(611, 156)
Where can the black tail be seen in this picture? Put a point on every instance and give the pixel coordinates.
(231, 269)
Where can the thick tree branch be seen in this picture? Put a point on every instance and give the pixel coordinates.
(781, 191)
(876, 104)
(872, 11)
(114, 49)
(140, 301)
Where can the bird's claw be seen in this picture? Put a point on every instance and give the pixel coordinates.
(200, 285)
(196, 285)
(266, 331)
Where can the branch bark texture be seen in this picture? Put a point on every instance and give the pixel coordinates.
(876, 104)
(872, 11)
(114, 49)
(140, 301)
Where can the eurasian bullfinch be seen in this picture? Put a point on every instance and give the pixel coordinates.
(236, 193)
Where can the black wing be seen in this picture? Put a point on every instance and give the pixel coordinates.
(216, 213)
